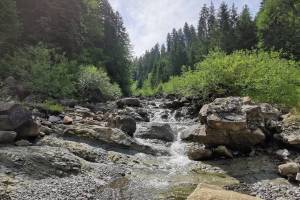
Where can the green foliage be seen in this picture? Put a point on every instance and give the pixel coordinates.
(226, 30)
(42, 70)
(264, 76)
(278, 24)
(95, 84)
(87, 31)
(9, 25)
(52, 107)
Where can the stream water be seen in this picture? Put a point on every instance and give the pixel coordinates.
(174, 176)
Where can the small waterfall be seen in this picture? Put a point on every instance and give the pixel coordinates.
(177, 149)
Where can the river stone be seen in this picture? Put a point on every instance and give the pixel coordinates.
(131, 102)
(211, 192)
(7, 137)
(197, 152)
(288, 169)
(67, 120)
(154, 130)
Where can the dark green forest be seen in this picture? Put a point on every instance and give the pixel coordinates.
(81, 49)
(46, 44)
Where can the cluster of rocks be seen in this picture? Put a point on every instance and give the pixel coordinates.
(231, 123)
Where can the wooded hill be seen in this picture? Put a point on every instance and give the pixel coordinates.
(72, 33)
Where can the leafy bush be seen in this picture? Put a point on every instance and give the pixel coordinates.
(95, 84)
(43, 70)
(263, 76)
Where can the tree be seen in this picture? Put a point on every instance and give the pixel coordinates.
(278, 25)
(9, 26)
(225, 29)
(246, 30)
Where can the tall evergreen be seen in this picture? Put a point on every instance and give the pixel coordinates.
(279, 25)
(246, 30)
(9, 26)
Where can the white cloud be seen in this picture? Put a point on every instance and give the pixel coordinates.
(149, 21)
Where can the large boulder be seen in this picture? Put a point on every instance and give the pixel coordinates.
(14, 117)
(210, 192)
(125, 123)
(154, 130)
(131, 102)
(234, 121)
(215, 137)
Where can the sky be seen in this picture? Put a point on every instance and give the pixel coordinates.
(149, 21)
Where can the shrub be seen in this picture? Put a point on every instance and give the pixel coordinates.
(43, 70)
(263, 76)
(95, 84)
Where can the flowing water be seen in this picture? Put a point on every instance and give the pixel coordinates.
(174, 176)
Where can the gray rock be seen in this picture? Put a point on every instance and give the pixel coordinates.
(112, 136)
(215, 137)
(198, 152)
(81, 150)
(125, 123)
(41, 161)
(160, 131)
(7, 137)
(14, 117)
(283, 154)
(131, 102)
(235, 122)
(54, 119)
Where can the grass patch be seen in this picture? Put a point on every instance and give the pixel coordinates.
(52, 107)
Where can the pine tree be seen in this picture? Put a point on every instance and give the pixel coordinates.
(279, 25)
(225, 28)
(9, 26)
(246, 30)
